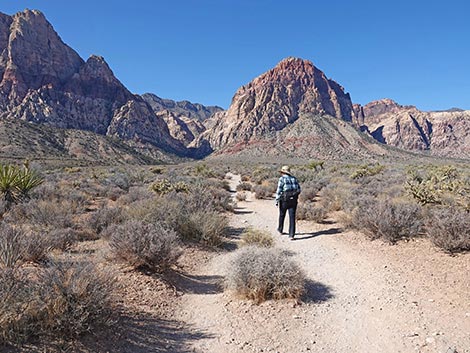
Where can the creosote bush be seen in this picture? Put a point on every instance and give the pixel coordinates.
(260, 274)
(252, 236)
(62, 301)
(449, 229)
(144, 245)
(310, 212)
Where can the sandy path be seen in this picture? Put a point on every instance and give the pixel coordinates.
(362, 296)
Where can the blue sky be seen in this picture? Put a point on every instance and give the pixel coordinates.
(415, 52)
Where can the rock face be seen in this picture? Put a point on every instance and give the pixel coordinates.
(42, 80)
(445, 133)
(185, 120)
(276, 99)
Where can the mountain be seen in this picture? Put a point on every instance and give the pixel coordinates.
(443, 133)
(42, 80)
(185, 120)
(292, 110)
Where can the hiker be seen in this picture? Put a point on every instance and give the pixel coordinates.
(288, 190)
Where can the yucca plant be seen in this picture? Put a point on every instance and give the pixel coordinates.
(17, 182)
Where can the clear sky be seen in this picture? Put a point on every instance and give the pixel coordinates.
(415, 51)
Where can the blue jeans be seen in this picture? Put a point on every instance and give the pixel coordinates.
(285, 206)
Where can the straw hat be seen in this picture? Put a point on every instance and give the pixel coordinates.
(285, 169)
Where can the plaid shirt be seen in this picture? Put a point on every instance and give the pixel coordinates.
(286, 183)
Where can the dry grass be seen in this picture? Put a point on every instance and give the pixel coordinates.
(260, 274)
(252, 236)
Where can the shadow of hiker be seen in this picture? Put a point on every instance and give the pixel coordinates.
(316, 292)
(303, 236)
(195, 284)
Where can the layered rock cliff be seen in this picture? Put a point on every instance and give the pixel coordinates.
(445, 133)
(43, 80)
(276, 99)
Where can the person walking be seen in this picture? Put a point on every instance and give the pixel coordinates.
(287, 194)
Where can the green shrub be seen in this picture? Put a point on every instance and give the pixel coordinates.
(367, 170)
(258, 237)
(16, 183)
(144, 245)
(260, 274)
(449, 229)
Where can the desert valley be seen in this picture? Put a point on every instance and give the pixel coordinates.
(135, 223)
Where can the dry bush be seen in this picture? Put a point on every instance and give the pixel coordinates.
(245, 178)
(18, 246)
(241, 196)
(206, 227)
(310, 212)
(102, 218)
(136, 193)
(264, 273)
(263, 192)
(244, 187)
(253, 236)
(390, 221)
(55, 214)
(145, 245)
(75, 297)
(63, 301)
(449, 229)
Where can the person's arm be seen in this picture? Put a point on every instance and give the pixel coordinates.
(280, 187)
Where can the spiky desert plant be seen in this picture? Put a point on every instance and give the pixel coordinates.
(16, 183)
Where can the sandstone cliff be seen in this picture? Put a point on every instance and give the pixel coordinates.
(445, 133)
(276, 99)
(42, 80)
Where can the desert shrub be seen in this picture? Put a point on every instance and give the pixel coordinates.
(145, 245)
(390, 221)
(449, 228)
(157, 170)
(260, 274)
(63, 238)
(241, 196)
(206, 227)
(311, 188)
(244, 187)
(310, 212)
(104, 217)
(18, 307)
(263, 192)
(245, 178)
(164, 186)
(135, 193)
(438, 185)
(367, 170)
(75, 297)
(18, 246)
(258, 237)
(56, 214)
(64, 300)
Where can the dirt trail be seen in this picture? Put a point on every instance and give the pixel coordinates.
(361, 296)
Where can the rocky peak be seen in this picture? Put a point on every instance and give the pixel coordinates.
(33, 55)
(277, 98)
(382, 106)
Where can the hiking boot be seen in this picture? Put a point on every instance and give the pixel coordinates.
(279, 231)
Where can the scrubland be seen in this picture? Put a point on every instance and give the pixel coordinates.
(145, 218)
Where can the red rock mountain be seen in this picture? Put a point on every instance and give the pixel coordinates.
(445, 133)
(42, 80)
(276, 99)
